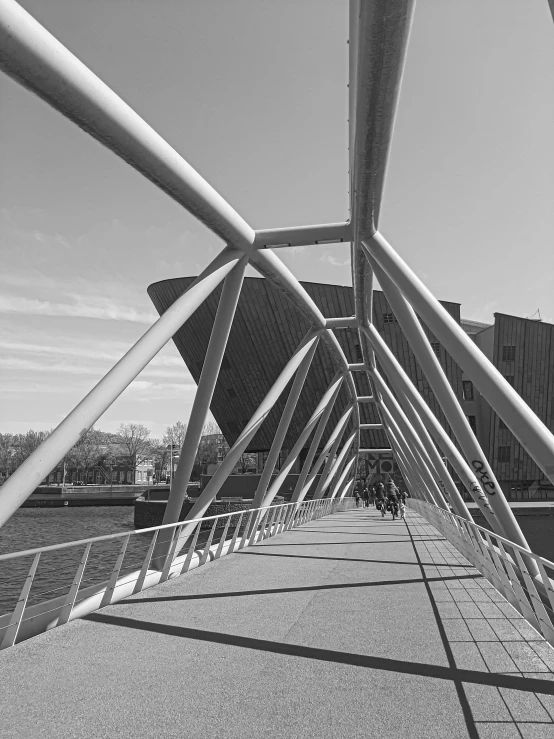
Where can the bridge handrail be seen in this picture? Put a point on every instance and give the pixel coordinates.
(485, 531)
(506, 565)
(107, 537)
(251, 526)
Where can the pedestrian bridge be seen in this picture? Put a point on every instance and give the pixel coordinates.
(348, 625)
(310, 617)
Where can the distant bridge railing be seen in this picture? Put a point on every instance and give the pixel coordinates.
(503, 563)
(202, 540)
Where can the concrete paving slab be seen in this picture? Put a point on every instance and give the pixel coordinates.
(336, 629)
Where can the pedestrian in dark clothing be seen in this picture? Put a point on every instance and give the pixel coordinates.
(366, 497)
(358, 499)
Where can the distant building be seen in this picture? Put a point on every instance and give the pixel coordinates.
(522, 349)
(121, 472)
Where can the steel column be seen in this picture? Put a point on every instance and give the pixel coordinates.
(208, 378)
(336, 383)
(284, 424)
(408, 394)
(486, 377)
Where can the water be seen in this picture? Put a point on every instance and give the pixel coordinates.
(35, 527)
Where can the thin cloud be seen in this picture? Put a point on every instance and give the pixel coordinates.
(106, 311)
(33, 365)
(86, 353)
(334, 261)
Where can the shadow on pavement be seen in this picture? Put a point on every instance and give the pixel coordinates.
(327, 655)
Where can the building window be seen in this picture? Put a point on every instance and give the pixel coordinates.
(467, 389)
(503, 453)
(510, 379)
(129, 476)
(472, 423)
(436, 347)
(389, 318)
(508, 353)
(121, 476)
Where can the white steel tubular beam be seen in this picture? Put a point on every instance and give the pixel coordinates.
(445, 396)
(419, 438)
(286, 467)
(319, 413)
(406, 439)
(329, 462)
(337, 466)
(347, 488)
(338, 430)
(328, 233)
(38, 61)
(342, 478)
(329, 401)
(408, 394)
(284, 423)
(212, 488)
(525, 425)
(39, 464)
(206, 385)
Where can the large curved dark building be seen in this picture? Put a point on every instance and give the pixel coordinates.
(266, 331)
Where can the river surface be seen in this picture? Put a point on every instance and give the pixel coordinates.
(35, 527)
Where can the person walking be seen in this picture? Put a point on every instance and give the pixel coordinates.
(358, 499)
(392, 498)
(380, 498)
(372, 494)
(402, 508)
(366, 497)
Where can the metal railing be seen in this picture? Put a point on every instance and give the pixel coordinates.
(202, 540)
(503, 563)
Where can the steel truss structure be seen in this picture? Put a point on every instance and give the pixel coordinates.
(379, 31)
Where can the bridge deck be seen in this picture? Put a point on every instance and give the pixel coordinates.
(350, 626)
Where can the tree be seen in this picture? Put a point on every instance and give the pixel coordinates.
(160, 457)
(248, 461)
(25, 444)
(212, 445)
(86, 453)
(134, 438)
(175, 434)
(7, 454)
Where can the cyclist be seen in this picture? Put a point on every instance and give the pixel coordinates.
(380, 498)
(392, 497)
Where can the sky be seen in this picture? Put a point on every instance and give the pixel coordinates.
(254, 95)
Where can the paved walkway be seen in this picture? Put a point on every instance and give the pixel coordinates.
(349, 626)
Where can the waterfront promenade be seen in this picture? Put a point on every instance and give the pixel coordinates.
(349, 626)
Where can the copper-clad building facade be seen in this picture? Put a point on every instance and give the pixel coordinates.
(266, 331)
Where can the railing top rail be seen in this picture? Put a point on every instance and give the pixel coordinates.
(512, 544)
(107, 537)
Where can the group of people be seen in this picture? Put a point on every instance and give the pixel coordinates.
(385, 497)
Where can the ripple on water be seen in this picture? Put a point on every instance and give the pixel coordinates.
(36, 527)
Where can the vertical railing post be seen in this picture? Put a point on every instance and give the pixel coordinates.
(65, 613)
(146, 564)
(108, 593)
(12, 631)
